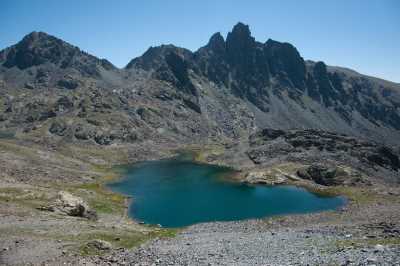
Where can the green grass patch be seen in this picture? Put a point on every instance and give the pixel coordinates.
(357, 195)
(23, 197)
(109, 155)
(100, 198)
(121, 239)
(202, 153)
(354, 194)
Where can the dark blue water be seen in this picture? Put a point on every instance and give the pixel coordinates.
(177, 193)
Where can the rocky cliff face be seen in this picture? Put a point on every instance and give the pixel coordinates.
(324, 151)
(225, 90)
(252, 69)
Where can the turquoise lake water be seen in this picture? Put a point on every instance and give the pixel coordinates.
(176, 193)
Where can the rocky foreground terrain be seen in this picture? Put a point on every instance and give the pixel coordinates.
(56, 211)
(67, 117)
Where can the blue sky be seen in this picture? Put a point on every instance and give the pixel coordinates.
(360, 34)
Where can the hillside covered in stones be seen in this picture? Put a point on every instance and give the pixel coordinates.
(332, 159)
(68, 120)
(226, 90)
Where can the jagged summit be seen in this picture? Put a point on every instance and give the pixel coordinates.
(241, 30)
(216, 43)
(39, 48)
(226, 89)
(258, 72)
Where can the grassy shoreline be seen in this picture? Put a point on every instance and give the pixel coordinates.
(114, 225)
(353, 195)
(25, 199)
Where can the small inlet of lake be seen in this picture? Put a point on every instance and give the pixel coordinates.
(178, 192)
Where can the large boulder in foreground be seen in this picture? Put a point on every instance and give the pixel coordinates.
(71, 205)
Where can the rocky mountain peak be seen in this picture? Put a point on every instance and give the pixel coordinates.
(240, 31)
(239, 42)
(284, 58)
(37, 36)
(320, 69)
(240, 46)
(269, 81)
(155, 57)
(44, 50)
(35, 39)
(38, 48)
(216, 43)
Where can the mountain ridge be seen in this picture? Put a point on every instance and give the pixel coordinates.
(225, 89)
(193, 51)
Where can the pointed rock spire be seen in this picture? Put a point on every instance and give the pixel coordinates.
(216, 43)
(241, 30)
(240, 45)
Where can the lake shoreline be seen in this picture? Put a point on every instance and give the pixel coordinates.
(341, 229)
(149, 175)
(131, 241)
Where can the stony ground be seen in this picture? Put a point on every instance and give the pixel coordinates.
(31, 179)
(354, 235)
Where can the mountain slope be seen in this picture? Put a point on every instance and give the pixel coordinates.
(225, 90)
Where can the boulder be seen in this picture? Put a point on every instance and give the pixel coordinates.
(84, 132)
(63, 103)
(68, 83)
(47, 114)
(131, 135)
(58, 128)
(271, 134)
(29, 86)
(379, 248)
(322, 175)
(99, 245)
(264, 177)
(103, 138)
(71, 205)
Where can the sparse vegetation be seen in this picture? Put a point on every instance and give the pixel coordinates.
(32, 197)
(100, 198)
(121, 239)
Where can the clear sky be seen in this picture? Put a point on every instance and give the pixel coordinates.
(360, 34)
